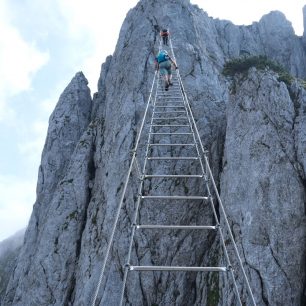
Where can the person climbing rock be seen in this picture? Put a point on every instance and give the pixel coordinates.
(164, 34)
(163, 63)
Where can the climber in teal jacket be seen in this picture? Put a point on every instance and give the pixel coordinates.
(163, 63)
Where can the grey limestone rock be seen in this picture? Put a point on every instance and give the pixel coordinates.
(67, 124)
(263, 185)
(87, 155)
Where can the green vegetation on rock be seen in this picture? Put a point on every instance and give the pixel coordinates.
(260, 62)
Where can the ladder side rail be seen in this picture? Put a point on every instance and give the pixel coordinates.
(204, 175)
(229, 265)
(214, 185)
(193, 136)
(203, 171)
(126, 268)
(215, 214)
(229, 231)
(195, 141)
(185, 101)
(111, 238)
(210, 175)
(228, 228)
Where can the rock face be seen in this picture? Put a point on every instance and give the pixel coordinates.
(262, 185)
(9, 251)
(87, 153)
(59, 208)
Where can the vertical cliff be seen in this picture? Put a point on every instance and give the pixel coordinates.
(263, 184)
(87, 154)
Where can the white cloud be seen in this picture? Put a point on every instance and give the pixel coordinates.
(19, 61)
(101, 22)
(31, 146)
(48, 105)
(17, 198)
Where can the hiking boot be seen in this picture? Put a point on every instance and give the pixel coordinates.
(170, 83)
(166, 87)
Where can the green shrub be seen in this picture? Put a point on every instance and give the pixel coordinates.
(260, 62)
(303, 83)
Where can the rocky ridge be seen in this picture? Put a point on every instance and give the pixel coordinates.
(256, 139)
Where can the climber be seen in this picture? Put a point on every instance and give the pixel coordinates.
(163, 63)
(164, 34)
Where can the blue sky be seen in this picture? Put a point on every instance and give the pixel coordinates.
(42, 45)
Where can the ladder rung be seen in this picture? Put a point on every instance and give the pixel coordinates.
(170, 97)
(173, 92)
(174, 158)
(173, 79)
(162, 92)
(173, 89)
(165, 99)
(169, 106)
(174, 175)
(171, 112)
(181, 105)
(169, 125)
(176, 96)
(170, 118)
(170, 133)
(175, 197)
(176, 268)
(174, 227)
(171, 144)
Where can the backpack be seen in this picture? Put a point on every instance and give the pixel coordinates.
(162, 56)
(164, 32)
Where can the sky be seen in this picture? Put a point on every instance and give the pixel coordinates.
(41, 49)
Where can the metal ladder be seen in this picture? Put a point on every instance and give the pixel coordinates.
(171, 118)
